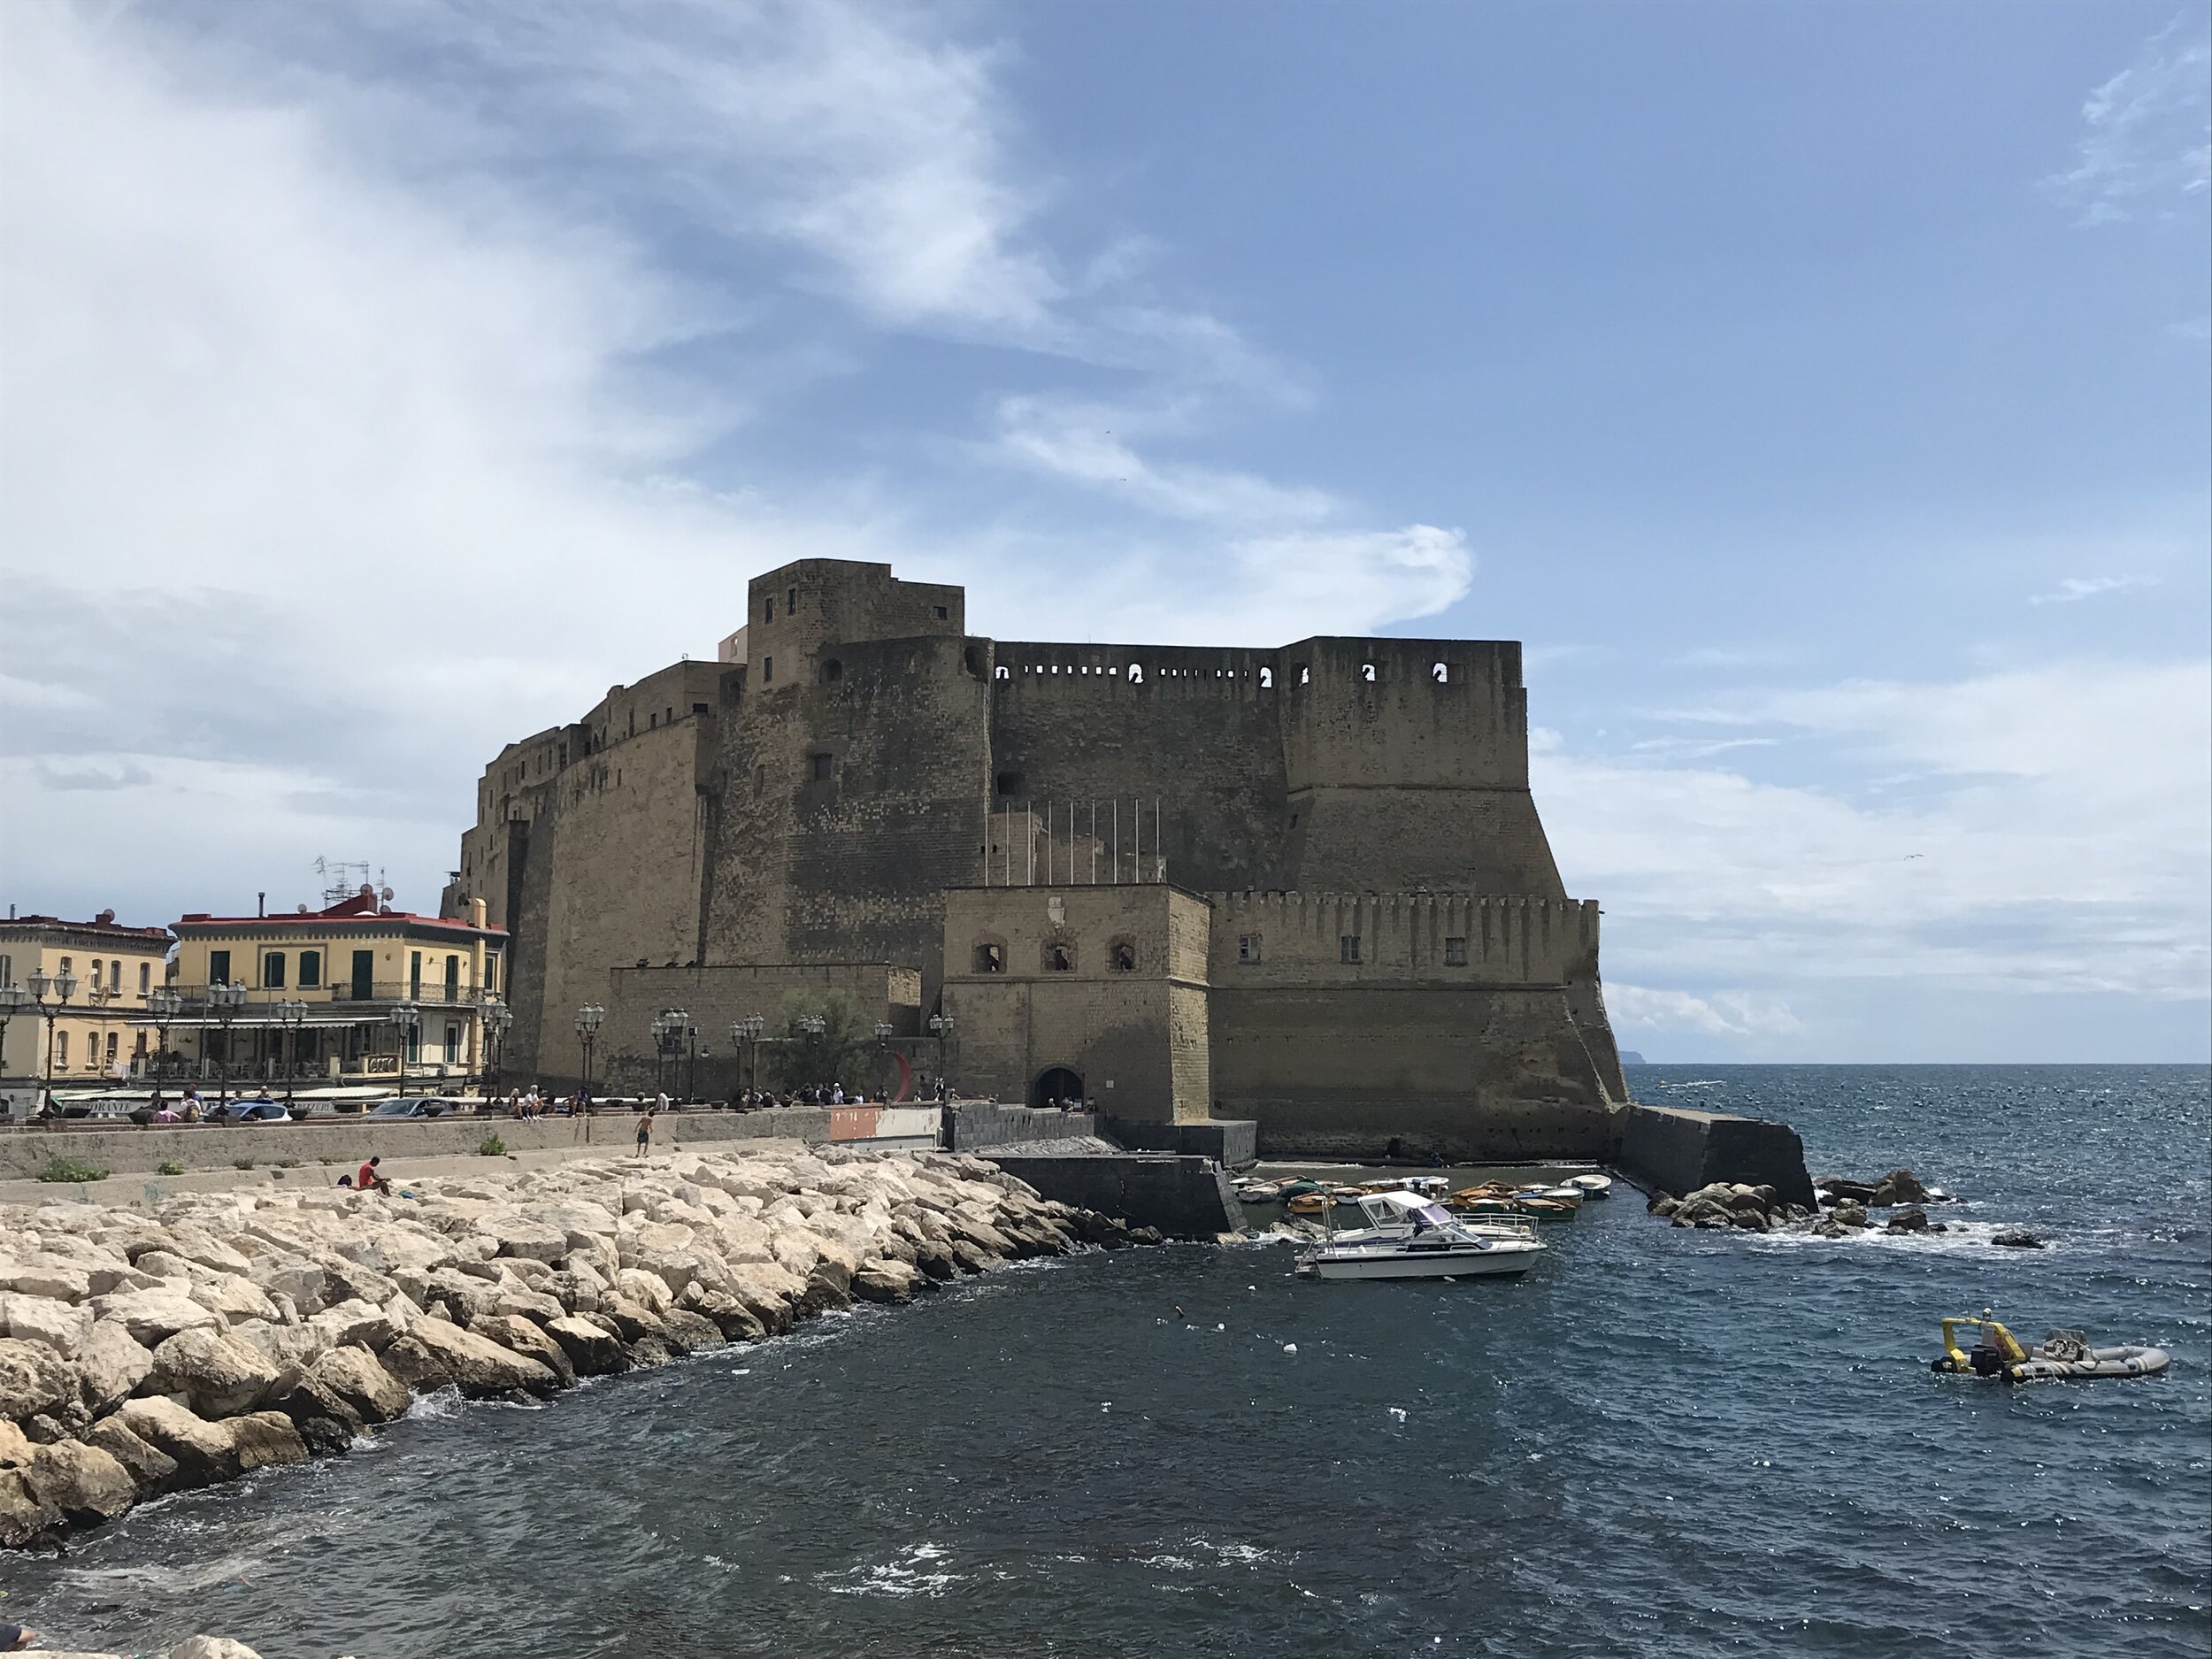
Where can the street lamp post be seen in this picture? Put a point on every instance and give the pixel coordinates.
(940, 1028)
(63, 987)
(292, 1013)
(588, 1019)
(13, 999)
(165, 1005)
(223, 1002)
(407, 1020)
(670, 1029)
(746, 1033)
(497, 1017)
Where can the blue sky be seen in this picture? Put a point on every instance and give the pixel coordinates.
(1821, 392)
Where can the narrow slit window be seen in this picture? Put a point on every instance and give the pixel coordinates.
(1347, 949)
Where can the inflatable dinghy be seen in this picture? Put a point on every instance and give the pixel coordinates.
(2061, 1356)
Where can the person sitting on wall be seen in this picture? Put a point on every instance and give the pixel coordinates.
(366, 1179)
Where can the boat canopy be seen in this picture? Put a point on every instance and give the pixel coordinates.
(1382, 1209)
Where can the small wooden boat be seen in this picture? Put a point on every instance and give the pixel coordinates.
(1571, 1196)
(1311, 1203)
(1593, 1185)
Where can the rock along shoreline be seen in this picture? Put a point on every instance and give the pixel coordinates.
(150, 1353)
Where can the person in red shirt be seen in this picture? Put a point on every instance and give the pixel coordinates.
(369, 1180)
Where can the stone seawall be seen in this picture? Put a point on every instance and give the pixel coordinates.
(342, 1142)
(141, 1355)
(1182, 1197)
(1233, 1142)
(1677, 1152)
(977, 1127)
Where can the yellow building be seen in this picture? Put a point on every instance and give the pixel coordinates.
(352, 993)
(95, 978)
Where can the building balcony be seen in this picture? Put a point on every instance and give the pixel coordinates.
(360, 1000)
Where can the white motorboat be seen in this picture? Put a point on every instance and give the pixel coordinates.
(1409, 1238)
(1593, 1185)
(1392, 1215)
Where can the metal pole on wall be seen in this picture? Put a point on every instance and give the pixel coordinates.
(1094, 844)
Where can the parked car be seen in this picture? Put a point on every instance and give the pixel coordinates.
(417, 1106)
(259, 1111)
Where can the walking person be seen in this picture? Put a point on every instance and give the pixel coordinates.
(645, 1133)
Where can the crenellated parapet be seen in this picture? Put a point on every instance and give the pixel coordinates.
(1323, 938)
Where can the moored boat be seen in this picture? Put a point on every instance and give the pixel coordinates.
(1593, 1185)
(1412, 1238)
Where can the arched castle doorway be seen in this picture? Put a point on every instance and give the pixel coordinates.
(1056, 1083)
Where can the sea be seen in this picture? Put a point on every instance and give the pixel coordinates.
(1660, 1442)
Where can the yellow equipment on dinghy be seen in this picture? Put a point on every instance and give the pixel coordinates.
(2061, 1355)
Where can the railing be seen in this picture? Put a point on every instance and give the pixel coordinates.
(430, 993)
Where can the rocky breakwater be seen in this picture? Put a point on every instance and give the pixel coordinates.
(1844, 1206)
(141, 1354)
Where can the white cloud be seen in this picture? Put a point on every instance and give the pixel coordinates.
(2073, 589)
(1636, 1009)
(2149, 139)
(351, 431)
(1094, 444)
(1374, 577)
(2035, 830)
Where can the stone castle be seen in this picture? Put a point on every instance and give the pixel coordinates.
(1307, 886)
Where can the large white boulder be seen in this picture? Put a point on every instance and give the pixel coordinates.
(33, 1379)
(214, 1372)
(152, 1316)
(60, 1324)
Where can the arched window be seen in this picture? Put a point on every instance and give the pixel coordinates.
(1121, 956)
(1367, 673)
(1267, 680)
(1136, 674)
(1002, 672)
(1440, 672)
(1059, 956)
(990, 955)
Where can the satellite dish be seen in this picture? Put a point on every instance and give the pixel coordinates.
(387, 895)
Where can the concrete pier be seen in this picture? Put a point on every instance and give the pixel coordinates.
(1676, 1152)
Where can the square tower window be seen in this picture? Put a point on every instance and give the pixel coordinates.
(1248, 947)
(990, 958)
(1454, 953)
(943, 613)
(1121, 956)
(1059, 959)
(1348, 948)
(819, 767)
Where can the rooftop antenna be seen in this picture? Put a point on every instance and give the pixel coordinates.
(341, 883)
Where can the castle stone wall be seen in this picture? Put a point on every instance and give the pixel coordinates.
(832, 799)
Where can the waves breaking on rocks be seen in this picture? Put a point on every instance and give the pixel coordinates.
(144, 1354)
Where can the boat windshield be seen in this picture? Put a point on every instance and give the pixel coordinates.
(1432, 1216)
